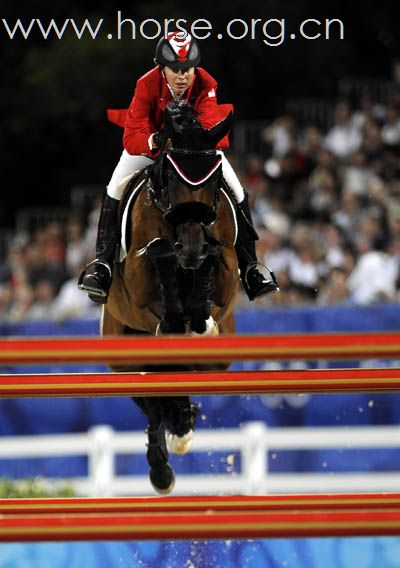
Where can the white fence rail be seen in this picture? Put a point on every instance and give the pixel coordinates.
(253, 441)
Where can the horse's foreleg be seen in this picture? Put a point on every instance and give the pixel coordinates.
(200, 301)
(163, 258)
(161, 474)
(180, 415)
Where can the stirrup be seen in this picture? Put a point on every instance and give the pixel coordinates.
(273, 283)
(95, 293)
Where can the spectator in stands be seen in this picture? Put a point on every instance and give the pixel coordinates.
(303, 263)
(311, 143)
(71, 303)
(344, 138)
(253, 177)
(43, 303)
(280, 135)
(321, 195)
(6, 298)
(333, 243)
(38, 268)
(348, 214)
(273, 250)
(391, 128)
(21, 302)
(334, 289)
(356, 174)
(375, 276)
(276, 219)
(76, 247)
(372, 144)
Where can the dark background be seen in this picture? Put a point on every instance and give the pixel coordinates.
(54, 133)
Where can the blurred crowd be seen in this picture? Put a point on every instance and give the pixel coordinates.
(326, 205)
(38, 280)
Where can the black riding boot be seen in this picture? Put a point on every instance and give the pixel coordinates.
(254, 283)
(97, 276)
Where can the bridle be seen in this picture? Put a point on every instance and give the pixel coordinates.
(158, 187)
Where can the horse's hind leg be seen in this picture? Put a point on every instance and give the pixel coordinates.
(163, 259)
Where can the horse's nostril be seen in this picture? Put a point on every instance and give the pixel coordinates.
(204, 248)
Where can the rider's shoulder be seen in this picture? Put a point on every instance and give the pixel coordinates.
(151, 77)
(205, 78)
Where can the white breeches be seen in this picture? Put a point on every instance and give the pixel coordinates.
(126, 166)
(130, 164)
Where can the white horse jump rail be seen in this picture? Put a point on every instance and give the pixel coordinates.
(253, 441)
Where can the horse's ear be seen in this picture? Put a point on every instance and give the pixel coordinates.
(217, 132)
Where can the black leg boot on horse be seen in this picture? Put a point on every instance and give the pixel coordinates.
(161, 474)
(254, 283)
(97, 276)
(163, 258)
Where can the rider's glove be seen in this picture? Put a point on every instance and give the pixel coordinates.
(173, 118)
(158, 140)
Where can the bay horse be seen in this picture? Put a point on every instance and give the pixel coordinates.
(180, 274)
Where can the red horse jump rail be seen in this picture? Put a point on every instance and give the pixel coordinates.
(181, 349)
(235, 503)
(201, 383)
(200, 525)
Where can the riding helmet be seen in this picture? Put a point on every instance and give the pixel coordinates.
(179, 50)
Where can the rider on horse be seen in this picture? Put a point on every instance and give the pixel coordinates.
(176, 77)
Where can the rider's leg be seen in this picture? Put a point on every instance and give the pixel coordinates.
(96, 278)
(254, 283)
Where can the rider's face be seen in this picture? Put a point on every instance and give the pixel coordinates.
(179, 79)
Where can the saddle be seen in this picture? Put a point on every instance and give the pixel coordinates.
(132, 185)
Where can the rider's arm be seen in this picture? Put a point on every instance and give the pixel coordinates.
(138, 129)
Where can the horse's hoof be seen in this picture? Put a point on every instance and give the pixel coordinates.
(210, 328)
(162, 479)
(180, 444)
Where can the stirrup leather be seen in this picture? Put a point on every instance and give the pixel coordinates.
(102, 262)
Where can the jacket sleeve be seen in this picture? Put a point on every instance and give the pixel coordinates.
(210, 113)
(137, 125)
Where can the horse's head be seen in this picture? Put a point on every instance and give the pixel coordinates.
(191, 176)
(191, 247)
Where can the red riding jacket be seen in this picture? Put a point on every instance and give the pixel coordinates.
(152, 95)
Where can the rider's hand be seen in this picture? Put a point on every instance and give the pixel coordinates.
(158, 140)
(175, 113)
(173, 119)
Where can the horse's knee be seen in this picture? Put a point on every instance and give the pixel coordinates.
(163, 258)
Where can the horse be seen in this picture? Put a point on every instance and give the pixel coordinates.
(180, 274)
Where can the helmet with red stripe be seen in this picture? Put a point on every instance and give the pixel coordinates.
(178, 50)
